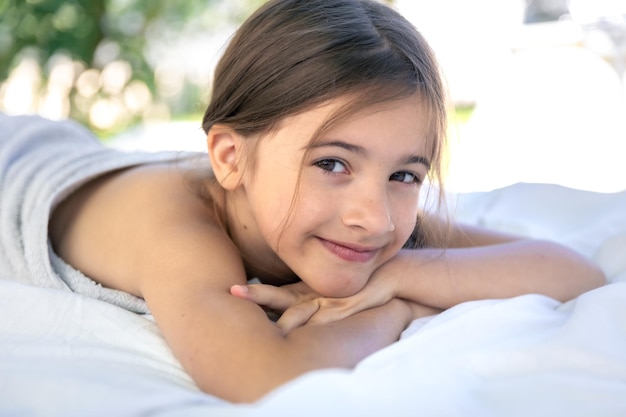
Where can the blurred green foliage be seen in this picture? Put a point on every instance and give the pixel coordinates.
(48, 41)
(50, 26)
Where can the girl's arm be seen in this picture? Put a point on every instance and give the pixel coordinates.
(481, 264)
(227, 344)
(143, 231)
(478, 264)
(445, 278)
(232, 350)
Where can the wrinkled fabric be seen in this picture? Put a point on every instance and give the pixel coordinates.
(41, 162)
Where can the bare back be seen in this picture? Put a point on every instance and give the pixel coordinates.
(113, 226)
(145, 231)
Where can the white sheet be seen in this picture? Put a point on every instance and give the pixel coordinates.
(66, 355)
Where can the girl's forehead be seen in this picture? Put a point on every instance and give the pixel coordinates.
(404, 121)
(341, 111)
(407, 116)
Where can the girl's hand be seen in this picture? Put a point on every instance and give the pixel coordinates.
(300, 305)
(275, 300)
(295, 304)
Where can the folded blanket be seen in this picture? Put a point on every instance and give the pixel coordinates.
(41, 162)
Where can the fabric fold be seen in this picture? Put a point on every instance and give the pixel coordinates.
(42, 162)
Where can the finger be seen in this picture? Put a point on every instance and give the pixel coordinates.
(303, 289)
(239, 291)
(329, 315)
(335, 309)
(297, 315)
(270, 296)
(332, 309)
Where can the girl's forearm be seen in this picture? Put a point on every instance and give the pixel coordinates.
(346, 342)
(444, 278)
(254, 368)
(340, 344)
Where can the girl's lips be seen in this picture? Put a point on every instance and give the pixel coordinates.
(349, 253)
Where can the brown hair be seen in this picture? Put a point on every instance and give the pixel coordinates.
(292, 55)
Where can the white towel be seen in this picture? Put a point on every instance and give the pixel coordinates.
(41, 162)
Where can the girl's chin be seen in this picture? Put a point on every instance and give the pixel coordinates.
(332, 290)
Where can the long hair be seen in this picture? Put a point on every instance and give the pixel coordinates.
(292, 55)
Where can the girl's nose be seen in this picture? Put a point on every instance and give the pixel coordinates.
(369, 211)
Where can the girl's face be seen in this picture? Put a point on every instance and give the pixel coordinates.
(356, 198)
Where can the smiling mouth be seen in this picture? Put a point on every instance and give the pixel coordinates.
(349, 253)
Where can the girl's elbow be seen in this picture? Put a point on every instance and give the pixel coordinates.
(597, 277)
(579, 272)
(589, 277)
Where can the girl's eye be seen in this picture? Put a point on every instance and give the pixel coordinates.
(331, 165)
(405, 177)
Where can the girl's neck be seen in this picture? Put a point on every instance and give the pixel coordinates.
(260, 261)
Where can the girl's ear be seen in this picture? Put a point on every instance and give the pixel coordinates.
(225, 147)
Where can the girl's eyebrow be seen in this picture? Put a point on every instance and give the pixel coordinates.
(411, 159)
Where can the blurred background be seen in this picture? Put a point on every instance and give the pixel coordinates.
(112, 63)
(537, 85)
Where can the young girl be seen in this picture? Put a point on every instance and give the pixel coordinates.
(326, 118)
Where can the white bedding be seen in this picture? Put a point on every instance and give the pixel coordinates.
(62, 354)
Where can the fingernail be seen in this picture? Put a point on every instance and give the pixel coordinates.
(240, 289)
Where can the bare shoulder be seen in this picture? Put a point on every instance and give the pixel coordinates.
(141, 225)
